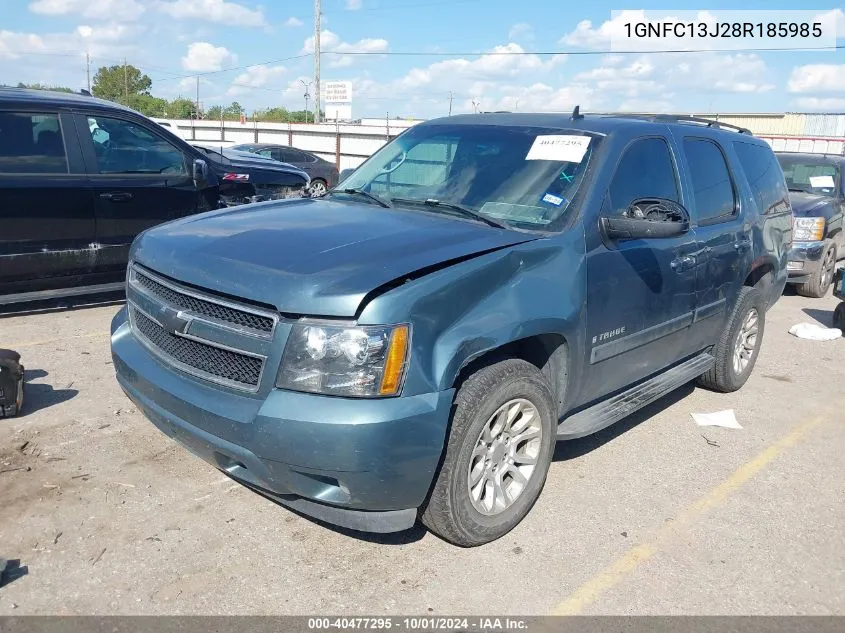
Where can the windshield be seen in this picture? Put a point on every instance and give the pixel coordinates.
(811, 176)
(522, 176)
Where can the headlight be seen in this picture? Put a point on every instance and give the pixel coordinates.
(363, 361)
(807, 229)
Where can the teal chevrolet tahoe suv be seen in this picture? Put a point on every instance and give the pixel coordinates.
(412, 345)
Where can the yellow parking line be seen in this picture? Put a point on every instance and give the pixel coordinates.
(611, 576)
(24, 344)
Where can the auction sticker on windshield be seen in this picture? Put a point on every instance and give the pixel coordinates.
(820, 182)
(560, 147)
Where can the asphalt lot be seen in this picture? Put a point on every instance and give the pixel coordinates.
(652, 516)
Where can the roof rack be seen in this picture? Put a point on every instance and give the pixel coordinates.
(679, 118)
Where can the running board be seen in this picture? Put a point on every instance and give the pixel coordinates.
(606, 412)
(60, 293)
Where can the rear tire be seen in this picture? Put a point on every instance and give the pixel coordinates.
(319, 187)
(737, 350)
(818, 284)
(513, 397)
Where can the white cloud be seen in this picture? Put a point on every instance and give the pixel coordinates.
(521, 32)
(106, 40)
(204, 57)
(255, 77)
(112, 32)
(831, 104)
(539, 97)
(293, 22)
(836, 19)
(220, 11)
(585, 35)
(817, 78)
(354, 5)
(120, 10)
(651, 82)
(331, 43)
(503, 62)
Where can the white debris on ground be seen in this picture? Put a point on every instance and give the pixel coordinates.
(815, 332)
(726, 419)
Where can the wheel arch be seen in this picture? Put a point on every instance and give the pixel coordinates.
(549, 352)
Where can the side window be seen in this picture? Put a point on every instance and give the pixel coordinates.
(765, 177)
(292, 156)
(713, 188)
(269, 153)
(123, 147)
(31, 143)
(646, 170)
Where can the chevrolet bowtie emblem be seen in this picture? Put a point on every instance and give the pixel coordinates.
(174, 321)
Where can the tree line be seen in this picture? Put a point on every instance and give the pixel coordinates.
(127, 85)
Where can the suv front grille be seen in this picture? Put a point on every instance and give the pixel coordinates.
(200, 333)
(212, 361)
(218, 312)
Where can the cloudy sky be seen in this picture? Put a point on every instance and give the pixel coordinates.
(257, 53)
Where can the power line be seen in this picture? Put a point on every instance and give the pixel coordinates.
(226, 70)
(579, 53)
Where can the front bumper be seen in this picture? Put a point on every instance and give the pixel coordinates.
(361, 464)
(805, 260)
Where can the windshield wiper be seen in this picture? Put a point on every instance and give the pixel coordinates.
(360, 192)
(466, 211)
(798, 190)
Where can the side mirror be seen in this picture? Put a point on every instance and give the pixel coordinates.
(200, 170)
(344, 174)
(647, 219)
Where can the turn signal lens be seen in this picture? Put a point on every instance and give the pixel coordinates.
(394, 367)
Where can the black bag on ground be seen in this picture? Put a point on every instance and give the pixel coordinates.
(11, 383)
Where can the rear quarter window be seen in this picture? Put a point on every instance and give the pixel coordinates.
(764, 175)
(31, 143)
(713, 189)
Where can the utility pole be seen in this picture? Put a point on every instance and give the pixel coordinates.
(450, 103)
(88, 69)
(197, 114)
(306, 85)
(316, 61)
(125, 84)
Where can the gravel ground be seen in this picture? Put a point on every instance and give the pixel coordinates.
(105, 515)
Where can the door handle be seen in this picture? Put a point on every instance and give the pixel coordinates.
(742, 245)
(682, 263)
(117, 196)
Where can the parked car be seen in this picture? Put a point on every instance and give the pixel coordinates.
(817, 195)
(323, 173)
(415, 342)
(81, 177)
(250, 178)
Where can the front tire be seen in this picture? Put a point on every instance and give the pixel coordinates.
(839, 317)
(818, 284)
(497, 456)
(737, 350)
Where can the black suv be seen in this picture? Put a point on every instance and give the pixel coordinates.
(81, 177)
(817, 194)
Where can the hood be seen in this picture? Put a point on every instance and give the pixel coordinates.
(311, 257)
(807, 204)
